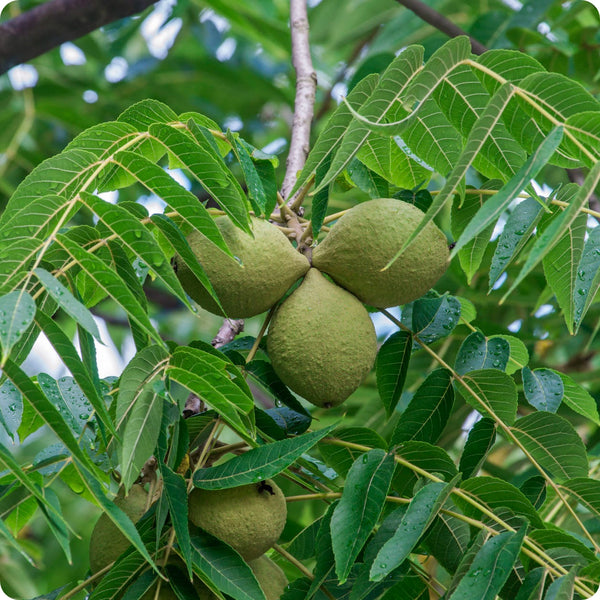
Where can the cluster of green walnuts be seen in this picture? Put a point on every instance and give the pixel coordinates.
(249, 518)
(321, 340)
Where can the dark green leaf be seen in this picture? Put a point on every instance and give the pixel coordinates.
(176, 493)
(491, 392)
(543, 389)
(17, 310)
(491, 567)
(432, 318)
(11, 408)
(553, 442)
(561, 588)
(422, 510)
(494, 493)
(480, 441)
(517, 230)
(225, 568)
(588, 276)
(478, 352)
(258, 464)
(391, 368)
(264, 374)
(341, 458)
(557, 228)
(358, 511)
(427, 414)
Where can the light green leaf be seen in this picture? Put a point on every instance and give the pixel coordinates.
(392, 84)
(561, 267)
(491, 392)
(358, 510)
(441, 64)
(8, 462)
(65, 299)
(585, 491)
(471, 255)
(476, 140)
(137, 239)
(588, 276)
(579, 399)
(49, 414)
(11, 408)
(557, 228)
(17, 310)
(210, 378)
(110, 282)
(553, 443)
(258, 464)
(177, 198)
(209, 170)
(497, 204)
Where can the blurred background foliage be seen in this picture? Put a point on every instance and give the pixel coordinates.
(231, 61)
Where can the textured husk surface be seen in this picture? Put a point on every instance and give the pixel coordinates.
(367, 237)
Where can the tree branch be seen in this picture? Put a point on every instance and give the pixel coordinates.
(50, 24)
(227, 332)
(306, 85)
(440, 22)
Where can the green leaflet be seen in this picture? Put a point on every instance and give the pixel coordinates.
(258, 464)
(358, 511)
(423, 508)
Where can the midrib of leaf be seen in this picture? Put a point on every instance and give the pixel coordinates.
(160, 366)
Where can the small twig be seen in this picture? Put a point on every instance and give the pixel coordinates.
(227, 332)
(306, 85)
(441, 23)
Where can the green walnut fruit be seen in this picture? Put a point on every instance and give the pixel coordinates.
(367, 237)
(107, 543)
(268, 266)
(250, 518)
(269, 575)
(321, 341)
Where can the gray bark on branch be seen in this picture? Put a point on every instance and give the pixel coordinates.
(306, 86)
(48, 25)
